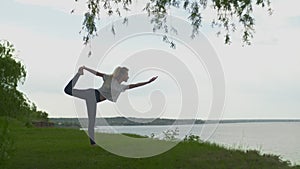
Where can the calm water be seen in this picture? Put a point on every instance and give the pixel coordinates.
(280, 138)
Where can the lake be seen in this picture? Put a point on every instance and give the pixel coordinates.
(279, 138)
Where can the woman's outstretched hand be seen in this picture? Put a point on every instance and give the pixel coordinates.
(131, 86)
(152, 79)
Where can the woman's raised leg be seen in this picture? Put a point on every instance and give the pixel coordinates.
(80, 93)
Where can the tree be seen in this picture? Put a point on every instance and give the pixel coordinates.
(14, 103)
(11, 73)
(230, 14)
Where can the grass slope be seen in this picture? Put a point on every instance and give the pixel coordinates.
(49, 148)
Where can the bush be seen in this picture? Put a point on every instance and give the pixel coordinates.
(170, 134)
(191, 138)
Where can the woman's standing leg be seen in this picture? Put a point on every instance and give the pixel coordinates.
(91, 105)
(90, 97)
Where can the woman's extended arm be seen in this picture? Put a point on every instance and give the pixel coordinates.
(131, 86)
(93, 71)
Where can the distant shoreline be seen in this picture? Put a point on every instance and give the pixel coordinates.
(130, 121)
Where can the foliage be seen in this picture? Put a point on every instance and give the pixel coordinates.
(230, 14)
(6, 143)
(11, 73)
(170, 134)
(192, 138)
(14, 103)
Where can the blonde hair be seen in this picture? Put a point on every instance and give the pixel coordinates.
(119, 72)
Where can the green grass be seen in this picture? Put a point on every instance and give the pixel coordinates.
(59, 148)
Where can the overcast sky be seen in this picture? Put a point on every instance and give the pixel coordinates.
(262, 80)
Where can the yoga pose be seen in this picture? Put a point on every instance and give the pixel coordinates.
(110, 90)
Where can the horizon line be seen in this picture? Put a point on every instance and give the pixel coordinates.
(233, 119)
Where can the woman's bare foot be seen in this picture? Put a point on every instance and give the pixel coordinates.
(80, 70)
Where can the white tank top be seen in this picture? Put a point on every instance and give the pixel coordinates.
(111, 88)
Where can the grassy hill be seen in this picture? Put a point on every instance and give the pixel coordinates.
(60, 148)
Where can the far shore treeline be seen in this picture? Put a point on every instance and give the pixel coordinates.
(131, 121)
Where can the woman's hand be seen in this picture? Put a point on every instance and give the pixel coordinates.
(131, 86)
(152, 79)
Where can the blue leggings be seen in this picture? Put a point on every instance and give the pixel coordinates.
(91, 96)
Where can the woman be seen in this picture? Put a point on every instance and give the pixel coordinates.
(110, 90)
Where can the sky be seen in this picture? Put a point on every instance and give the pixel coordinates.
(262, 80)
